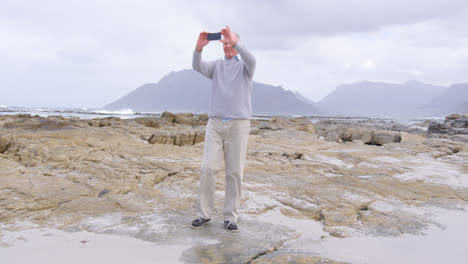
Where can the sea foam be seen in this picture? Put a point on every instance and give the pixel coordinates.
(126, 111)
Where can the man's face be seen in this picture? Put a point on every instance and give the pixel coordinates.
(229, 51)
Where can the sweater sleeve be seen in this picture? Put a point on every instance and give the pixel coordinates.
(247, 57)
(205, 68)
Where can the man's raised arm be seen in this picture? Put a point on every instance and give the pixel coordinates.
(247, 57)
(205, 68)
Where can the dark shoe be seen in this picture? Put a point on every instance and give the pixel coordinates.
(230, 226)
(199, 222)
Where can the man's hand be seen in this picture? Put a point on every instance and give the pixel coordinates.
(229, 37)
(202, 41)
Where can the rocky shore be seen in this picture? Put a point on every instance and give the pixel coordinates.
(363, 178)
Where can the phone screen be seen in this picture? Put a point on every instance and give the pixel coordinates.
(213, 36)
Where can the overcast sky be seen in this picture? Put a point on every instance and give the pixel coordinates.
(90, 53)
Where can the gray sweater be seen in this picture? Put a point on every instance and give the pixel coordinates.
(231, 87)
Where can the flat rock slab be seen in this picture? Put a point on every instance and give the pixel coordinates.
(210, 244)
(252, 240)
(294, 258)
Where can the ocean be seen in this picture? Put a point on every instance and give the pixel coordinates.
(88, 113)
(82, 113)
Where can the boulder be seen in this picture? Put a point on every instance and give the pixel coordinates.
(382, 137)
(453, 116)
(185, 118)
(102, 122)
(332, 136)
(4, 143)
(202, 120)
(28, 122)
(303, 120)
(168, 116)
(17, 116)
(254, 122)
(449, 127)
(178, 137)
(278, 123)
(458, 123)
(436, 127)
(344, 133)
(152, 122)
(340, 133)
(365, 135)
(307, 128)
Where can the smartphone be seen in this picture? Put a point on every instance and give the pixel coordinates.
(213, 36)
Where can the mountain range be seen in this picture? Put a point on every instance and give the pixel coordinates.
(411, 98)
(189, 91)
(452, 100)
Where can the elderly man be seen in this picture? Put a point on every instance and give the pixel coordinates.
(228, 126)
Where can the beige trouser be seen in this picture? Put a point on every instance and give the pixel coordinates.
(229, 138)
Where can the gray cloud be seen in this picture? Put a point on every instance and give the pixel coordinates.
(271, 23)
